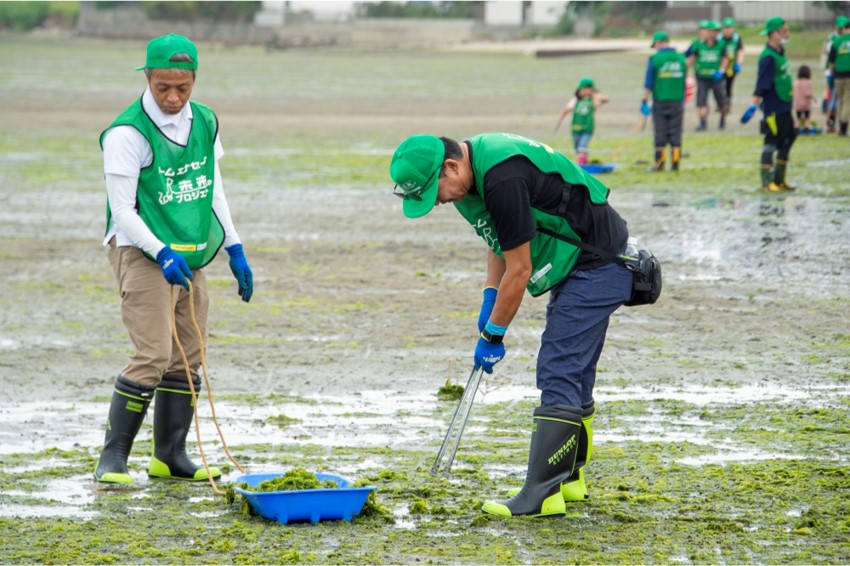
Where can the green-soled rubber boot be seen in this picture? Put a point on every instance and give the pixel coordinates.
(127, 410)
(173, 413)
(574, 489)
(555, 435)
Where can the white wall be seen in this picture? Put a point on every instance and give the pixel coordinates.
(508, 13)
(546, 12)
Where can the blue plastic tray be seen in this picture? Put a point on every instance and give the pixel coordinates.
(312, 505)
(598, 167)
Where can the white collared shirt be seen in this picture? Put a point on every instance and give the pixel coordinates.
(125, 153)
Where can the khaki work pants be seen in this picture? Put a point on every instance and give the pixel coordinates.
(842, 94)
(146, 311)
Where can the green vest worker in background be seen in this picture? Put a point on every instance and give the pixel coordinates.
(734, 50)
(839, 67)
(167, 217)
(665, 81)
(516, 193)
(708, 57)
(774, 92)
(583, 105)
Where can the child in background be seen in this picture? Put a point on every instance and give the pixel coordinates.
(804, 99)
(583, 105)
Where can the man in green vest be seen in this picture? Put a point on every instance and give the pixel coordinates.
(522, 197)
(167, 217)
(665, 81)
(839, 67)
(774, 93)
(707, 57)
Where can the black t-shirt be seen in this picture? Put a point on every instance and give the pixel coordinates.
(510, 192)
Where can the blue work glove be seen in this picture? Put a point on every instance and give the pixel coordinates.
(174, 268)
(737, 68)
(240, 269)
(644, 108)
(718, 75)
(490, 349)
(486, 307)
(749, 113)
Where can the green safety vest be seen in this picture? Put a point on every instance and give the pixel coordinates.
(709, 58)
(841, 44)
(782, 81)
(175, 192)
(731, 48)
(583, 116)
(670, 73)
(552, 259)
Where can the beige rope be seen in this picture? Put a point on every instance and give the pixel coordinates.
(192, 385)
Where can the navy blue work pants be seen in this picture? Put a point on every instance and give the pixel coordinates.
(576, 322)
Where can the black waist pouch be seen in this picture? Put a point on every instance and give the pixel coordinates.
(646, 287)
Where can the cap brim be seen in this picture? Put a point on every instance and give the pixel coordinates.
(418, 208)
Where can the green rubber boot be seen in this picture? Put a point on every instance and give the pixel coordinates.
(172, 417)
(574, 489)
(130, 402)
(555, 435)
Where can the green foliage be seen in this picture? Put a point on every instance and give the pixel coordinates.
(191, 11)
(416, 10)
(23, 16)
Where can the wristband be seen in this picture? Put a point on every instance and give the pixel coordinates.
(494, 333)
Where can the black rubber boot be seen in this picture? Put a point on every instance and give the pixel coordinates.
(574, 489)
(130, 402)
(551, 456)
(173, 414)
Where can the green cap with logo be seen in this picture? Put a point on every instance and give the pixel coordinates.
(712, 25)
(772, 25)
(728, 22)
(415, 168)
(659, 36)
(842, 22)
(586, 82)
(702, 24)
(163, 48)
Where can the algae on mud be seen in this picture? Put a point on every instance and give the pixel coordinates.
(721, 427)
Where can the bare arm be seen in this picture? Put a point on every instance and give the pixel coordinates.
(517, 271)
(567, 109)
(599, 99)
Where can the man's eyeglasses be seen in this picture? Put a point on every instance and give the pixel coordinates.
(415, 194)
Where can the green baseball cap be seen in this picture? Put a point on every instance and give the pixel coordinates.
(842, 22)
(586, 82)
(659, 36)
(415, 168)
(772, 24)
(163, 48)
(702, 24)
(728, 22)
(712, 25)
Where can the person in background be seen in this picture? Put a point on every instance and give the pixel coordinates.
(707, 58)
(664, 80)
(830, 101)
(583, 105)
(166, 218)
(774, 93)
(803, 99)
(839, 67)
(734, 51)
(522, 197)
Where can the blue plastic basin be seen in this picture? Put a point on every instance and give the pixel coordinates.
(596, 168)
(312, 505)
